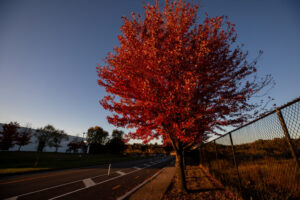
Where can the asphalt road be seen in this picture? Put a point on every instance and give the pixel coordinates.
(84, 183)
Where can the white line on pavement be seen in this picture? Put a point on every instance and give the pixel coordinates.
(96, 184)
(139, 186)
(56, 186)
(121, 173)
(12, 198)
(88, 182)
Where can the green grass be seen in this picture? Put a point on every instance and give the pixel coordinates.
(14, 162)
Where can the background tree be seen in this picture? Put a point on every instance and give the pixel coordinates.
(97, 139)
(168, 148)
(116, 144)
(24, 136)
(74, 146)
(178, 78)
(117, 134)
(43, 136)
(77, 144)
(56, 138)
(8, 135)
(83, 146)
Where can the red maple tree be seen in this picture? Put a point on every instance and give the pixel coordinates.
(176, 78)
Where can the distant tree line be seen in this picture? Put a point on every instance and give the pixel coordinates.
(97, 140)
(12, 135)
(276, 148)
(146, 149)
(50, 136)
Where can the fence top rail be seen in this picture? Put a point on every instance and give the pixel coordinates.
(260, 117)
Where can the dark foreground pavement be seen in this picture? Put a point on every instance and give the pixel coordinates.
(85, 183)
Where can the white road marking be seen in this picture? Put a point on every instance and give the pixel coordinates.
(121, 173)
(88, 182)
(139, 186)
(96, 184)
(12, 198)
(56, 186)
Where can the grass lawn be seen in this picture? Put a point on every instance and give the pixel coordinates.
(14, 162)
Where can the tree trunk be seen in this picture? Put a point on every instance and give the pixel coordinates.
(37, 159)
(180, 175)
(183, 159)
(179, 166)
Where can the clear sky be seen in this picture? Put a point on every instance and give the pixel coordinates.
(49, 50)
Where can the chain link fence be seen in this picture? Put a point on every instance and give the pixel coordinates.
(259, 160)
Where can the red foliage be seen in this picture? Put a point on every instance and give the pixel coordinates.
(177, 78)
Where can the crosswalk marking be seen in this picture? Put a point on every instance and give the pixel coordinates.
(88, 182)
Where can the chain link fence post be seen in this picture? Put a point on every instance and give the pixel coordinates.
(217, 157)
(287, 136)
(235, 163)
(200, 155)
(216, 149)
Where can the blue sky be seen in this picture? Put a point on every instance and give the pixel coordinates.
(49, 50)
